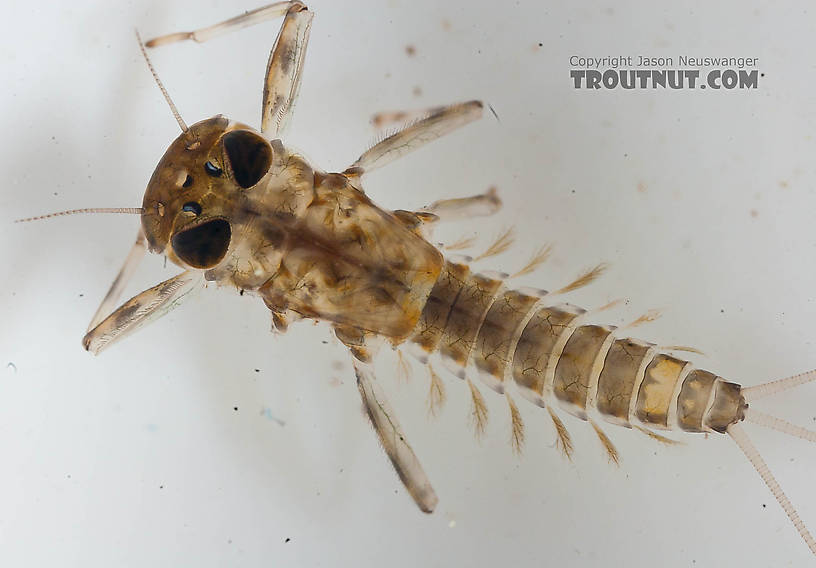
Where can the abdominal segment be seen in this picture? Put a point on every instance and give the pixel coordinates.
(554, 357)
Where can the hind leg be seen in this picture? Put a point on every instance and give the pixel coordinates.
(384, 421)
(393, 440)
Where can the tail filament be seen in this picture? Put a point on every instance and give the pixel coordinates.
(741, 438)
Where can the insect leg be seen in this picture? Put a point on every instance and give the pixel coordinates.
(382, 119)
(142, 309)
(393, 440)
(480, 205)
(135, 255)
(416, 134)
(256, 16)
(395, 117)
(284, 70)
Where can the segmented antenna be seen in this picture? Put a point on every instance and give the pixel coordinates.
(173, 108)
(131, 210)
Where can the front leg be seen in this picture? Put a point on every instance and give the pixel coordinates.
(135, 256)
(143, 309)
(256, 16)
(283, 71)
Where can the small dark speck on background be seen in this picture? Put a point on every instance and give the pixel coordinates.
(82, 295)
(257, 370)
(325, 342)
(287, 539)
(161, 486)
(764, 505)
(235, 408)
(410, 50)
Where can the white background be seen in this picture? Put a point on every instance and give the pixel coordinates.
(701, 201)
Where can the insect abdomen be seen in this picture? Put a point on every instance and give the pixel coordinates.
(471, 320)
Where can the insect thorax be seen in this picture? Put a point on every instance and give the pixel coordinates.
(313, 244)
(350, 262)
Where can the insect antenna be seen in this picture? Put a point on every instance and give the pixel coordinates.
(173, 108)
(130, 210)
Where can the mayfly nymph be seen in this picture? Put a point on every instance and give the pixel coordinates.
(236, 206)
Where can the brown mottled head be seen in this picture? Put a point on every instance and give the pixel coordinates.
(192, 196)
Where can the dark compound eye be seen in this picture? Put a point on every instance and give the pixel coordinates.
(205, 245)
(187, 182)
(192, 207)
(212, 169)
(248, 156)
